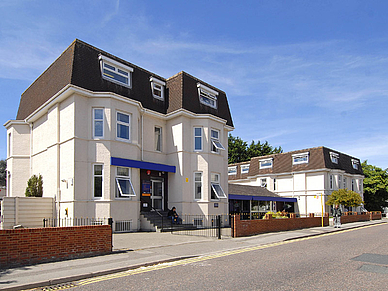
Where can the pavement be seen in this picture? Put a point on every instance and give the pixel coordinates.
(140, 249)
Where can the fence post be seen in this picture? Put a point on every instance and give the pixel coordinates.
(110, 222)
(219, 226)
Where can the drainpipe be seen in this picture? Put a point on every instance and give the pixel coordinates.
(142, 132)
(31, 145)
(58, 196)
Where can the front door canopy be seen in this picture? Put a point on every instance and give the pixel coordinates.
(141, 165)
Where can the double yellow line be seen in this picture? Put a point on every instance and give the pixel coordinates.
(202, 258)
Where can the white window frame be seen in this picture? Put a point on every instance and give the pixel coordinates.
(118, 191)
(334, 157)
(360, 185)
(263, 182)
(94, 181)
(198, 136)
(98, 120)
(155, 84)
(339, 181)
(266, 163)
(215, 145)
(9, 152)
(158, 139)
(215, 184)
(198, 182)
(355, 164)
(301, 158)
(331, 182)
(345, 182)
(232, 170)
(274, 184)
(353, 184)
(115, 68)
(118, 122)
(244, 169)
(207, 96)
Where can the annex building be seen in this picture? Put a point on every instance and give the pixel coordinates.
(112, 139)
(307, 176)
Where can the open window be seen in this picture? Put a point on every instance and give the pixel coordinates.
(124, 187)
(207, 96)
(116, 72)
(302, 158)
(266, 163)
(334, 157)
(244, 169)
(157, 87)
(232, 170)
(216, 190)
(215, 139)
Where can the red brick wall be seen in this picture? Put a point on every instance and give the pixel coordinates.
(348, 217)
(37, 245)
(251, 227)
(375, 215)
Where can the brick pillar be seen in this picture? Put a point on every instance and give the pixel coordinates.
(236, 223)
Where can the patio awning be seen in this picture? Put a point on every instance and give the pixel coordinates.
(262, 198)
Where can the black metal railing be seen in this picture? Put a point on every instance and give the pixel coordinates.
(83, 221)
(201, 225)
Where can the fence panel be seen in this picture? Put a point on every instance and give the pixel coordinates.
(201, 225)
(67, 221)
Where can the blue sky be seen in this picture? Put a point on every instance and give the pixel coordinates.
(298, 74)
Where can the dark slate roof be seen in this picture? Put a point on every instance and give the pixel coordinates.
(237, 189)
(79, 65)
(319, 158)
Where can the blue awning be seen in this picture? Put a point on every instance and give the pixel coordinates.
(141, 165)
(261, 198)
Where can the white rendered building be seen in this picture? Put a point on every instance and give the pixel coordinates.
(309, 175)
(113, 140)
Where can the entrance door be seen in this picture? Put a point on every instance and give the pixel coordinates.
(157, 194)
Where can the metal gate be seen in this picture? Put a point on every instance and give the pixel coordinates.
(201, 225)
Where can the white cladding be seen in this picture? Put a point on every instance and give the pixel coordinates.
(57, 142)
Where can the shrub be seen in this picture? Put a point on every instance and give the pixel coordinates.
(34, 186)
(276, 215)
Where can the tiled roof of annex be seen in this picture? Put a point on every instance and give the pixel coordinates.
(317, 158)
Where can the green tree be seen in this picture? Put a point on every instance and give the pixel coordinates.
(3, 172)
(375, 187)
(262, 149)
(34, 186)
(345, 197)
(239, 151)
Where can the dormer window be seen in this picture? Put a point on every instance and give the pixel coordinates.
(302, 158)
(334, 157)
(355, 164)
(232, 170)
(157, 88)
(115, 72)
(267, 163)
(207, 96)
(244, 169)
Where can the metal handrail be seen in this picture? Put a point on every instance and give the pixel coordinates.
(161, 215)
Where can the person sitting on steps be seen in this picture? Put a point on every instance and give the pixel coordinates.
(175, 219)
